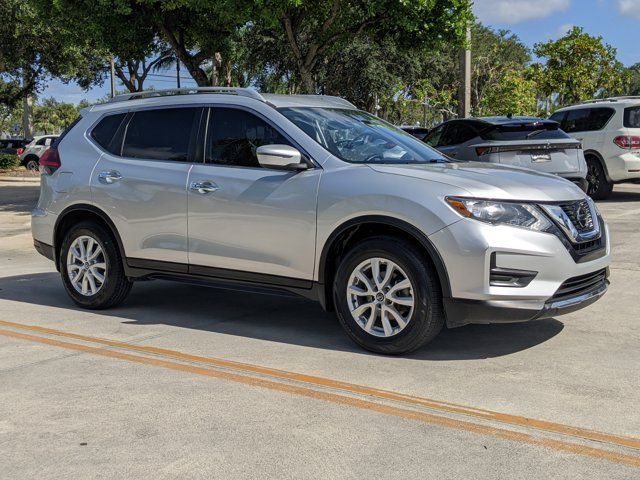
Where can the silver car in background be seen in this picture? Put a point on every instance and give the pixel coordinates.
(309, 194)
(527, 142)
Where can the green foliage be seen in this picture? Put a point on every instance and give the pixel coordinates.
(632, 84)
(34, 49)
(513, 93)
(578, 66)
(52, 116)
(8, 161)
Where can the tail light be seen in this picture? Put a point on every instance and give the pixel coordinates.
(480, 151)
(50, 160)
(627, 142)
(19, 151)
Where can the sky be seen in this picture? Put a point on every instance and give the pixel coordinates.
(617, 21)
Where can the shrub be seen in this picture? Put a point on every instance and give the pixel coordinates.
(8, 161)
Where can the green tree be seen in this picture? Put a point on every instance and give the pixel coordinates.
(34, 50)
(577, 67)
(514, 93)
(313, 30)
(632, 86)
(52, 116)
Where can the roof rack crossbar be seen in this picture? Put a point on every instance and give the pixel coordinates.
(243, 92)
(611, 99)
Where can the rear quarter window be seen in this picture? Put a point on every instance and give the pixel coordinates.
(632, 117)
(587, 119)
(105, 131)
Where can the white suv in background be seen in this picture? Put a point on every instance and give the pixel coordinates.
(609, 130)
(30, 156)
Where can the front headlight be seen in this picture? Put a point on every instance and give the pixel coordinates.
(503, 213)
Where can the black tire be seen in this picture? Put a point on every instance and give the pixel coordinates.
(32, 163)
(598, 187)
(427, 318)
(116, 285)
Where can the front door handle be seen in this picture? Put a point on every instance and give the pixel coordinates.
(109, 177)
(204, 187)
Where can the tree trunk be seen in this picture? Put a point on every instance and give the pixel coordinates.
(308, 84)
(27, 112)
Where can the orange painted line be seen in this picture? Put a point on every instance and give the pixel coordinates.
(352, 388)
(515, 436)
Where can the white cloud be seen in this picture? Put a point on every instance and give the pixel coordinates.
(563, 30)
(515, 11)
(629, 7)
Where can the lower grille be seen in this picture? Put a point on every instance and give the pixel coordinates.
(582, 284)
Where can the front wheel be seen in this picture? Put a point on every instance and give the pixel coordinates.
(91, 267)
(32, 164)
(598, 187)
(387, 297)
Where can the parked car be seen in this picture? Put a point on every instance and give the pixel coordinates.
(609, 130)
(310, 195)
(12, 146)
(517, 141)
(32, 152)
(419, 132)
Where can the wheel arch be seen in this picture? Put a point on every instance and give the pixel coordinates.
(359, 228)
(595, 154)
(79, 213)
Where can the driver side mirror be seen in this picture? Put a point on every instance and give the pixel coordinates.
(282, 157)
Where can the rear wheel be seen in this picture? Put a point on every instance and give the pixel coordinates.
(91, 267)
(32, 163)
(598, 186)
(387, 297)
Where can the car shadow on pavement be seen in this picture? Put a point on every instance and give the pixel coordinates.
(275, 318)
(621, 196)
(23, 198)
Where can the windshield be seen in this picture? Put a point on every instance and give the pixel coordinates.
(359, 137)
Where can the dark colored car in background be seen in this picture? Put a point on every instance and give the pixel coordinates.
(529, 142)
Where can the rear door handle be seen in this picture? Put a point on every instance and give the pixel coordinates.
(204, 187)
(109, 177)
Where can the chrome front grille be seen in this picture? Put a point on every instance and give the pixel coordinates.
(577, 220)
(580, 215)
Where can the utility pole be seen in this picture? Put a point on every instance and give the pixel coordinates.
(27, 110)
(464, 94)
(178, 71)
(113, 77)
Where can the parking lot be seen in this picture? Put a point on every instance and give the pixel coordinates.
(184, 381)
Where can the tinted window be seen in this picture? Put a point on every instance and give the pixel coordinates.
(433, 138)
(104, 132)
(162, 134)
(558, 117)
(632, 117)
(457, 133)
(586, 119)
(235, 135)
(531, 131)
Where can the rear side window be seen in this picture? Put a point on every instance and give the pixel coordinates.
(632, 117)
(104, 132)
(433, 137)
(547, 131)
(586, 119)
(235, 135)
(163, 134)
(457, 133)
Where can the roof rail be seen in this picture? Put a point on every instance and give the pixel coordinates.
(243, 92)
(611, 99)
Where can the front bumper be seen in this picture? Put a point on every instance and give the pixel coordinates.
(462, 312)
(471, 250)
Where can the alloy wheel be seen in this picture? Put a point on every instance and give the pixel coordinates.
(86, 265)
(380, 297)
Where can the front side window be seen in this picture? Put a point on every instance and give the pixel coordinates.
(632, 117)
(235, 135)
(162, 134)
(359, 137)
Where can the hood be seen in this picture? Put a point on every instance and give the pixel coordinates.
(491, 181)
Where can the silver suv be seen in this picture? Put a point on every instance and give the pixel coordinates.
(310, 195)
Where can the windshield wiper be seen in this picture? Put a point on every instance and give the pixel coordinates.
(536, 132)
